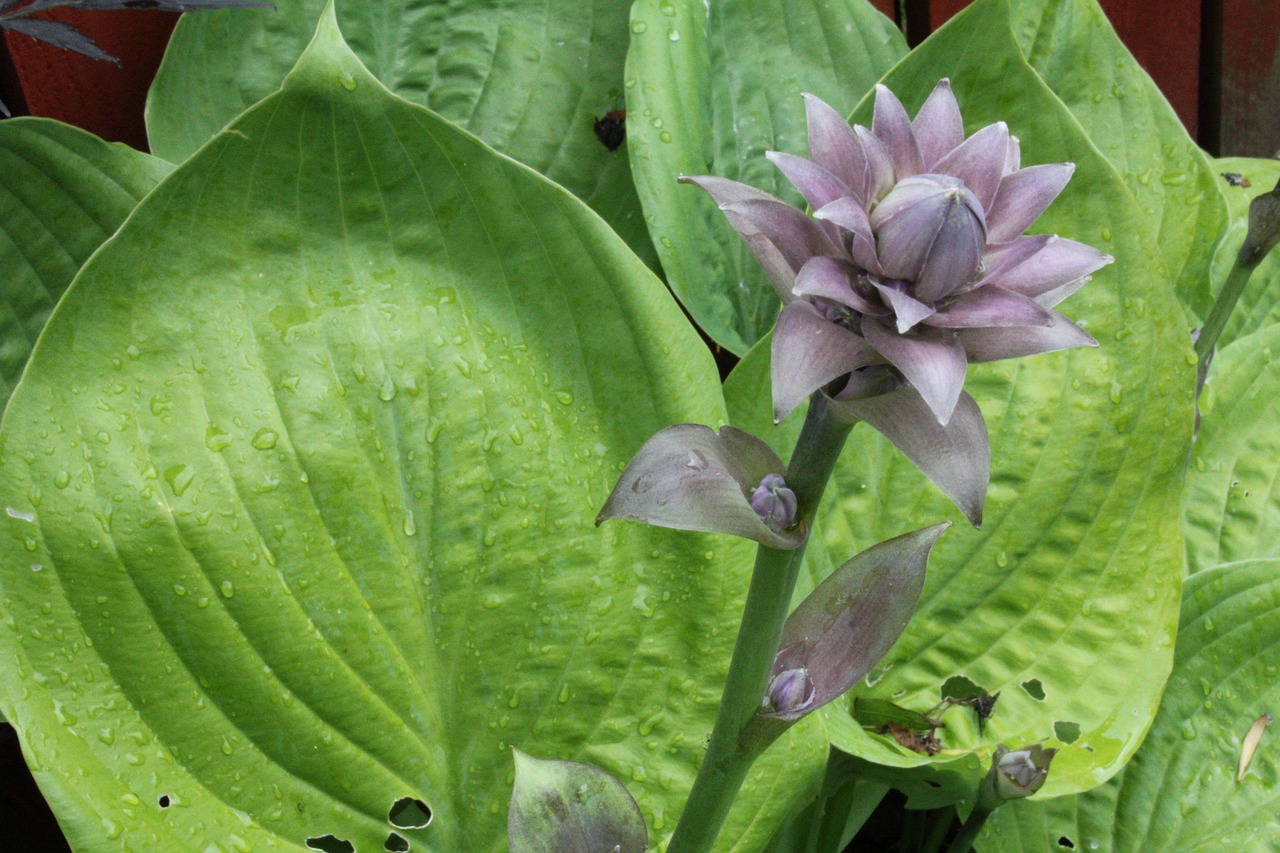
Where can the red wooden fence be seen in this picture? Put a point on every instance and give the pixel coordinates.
(1217, 61)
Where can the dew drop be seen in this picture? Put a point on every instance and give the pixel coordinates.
(639, 27)
(564, 398)
(265, 439)
(347, 81)
(228, 589)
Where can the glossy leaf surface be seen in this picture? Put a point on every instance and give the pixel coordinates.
(1180, 792)
(1072, 581)
(529, 78)
(62, 192)
(300, 489)
(1259, 305)
(1074, 49)
(710, 88)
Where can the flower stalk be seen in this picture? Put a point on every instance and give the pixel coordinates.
(729, 756)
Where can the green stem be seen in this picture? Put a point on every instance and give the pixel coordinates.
(963, 842)
(728, 758)
(1221, 311)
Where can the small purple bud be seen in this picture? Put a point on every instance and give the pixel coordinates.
(1016, 774)
(775, 503)
(790, 694)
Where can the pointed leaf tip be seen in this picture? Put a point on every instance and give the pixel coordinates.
(690, 477)
(571, 807)
(849, 623)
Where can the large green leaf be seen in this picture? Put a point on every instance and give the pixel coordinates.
(529, 77)
(1180, 792)
(1073, 580)
(62, 192)
(1073, 48)
(710, 88)
(1232, 501)
(300, 485)
(1259, 305)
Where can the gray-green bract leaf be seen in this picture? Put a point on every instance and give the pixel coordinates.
(850, 621)
(300, 486)
(1231, 507)
(571, 807)
(62, 192)
(1073, 580)
(1075, 51)
(529, 77)
(1259, 305)
(710, 88)
(1180, 791)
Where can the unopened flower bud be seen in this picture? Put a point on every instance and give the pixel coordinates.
(790, 693)
(1016, 774)
(775, 503)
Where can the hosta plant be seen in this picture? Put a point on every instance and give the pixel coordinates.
(366, 486)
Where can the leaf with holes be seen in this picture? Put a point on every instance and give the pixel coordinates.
(1184, 789)
(62, 192)
(300, 488)
(710, 88)
(1071, 585)
(529, 78)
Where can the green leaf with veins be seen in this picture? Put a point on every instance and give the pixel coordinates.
(1180, 792)
(1073, 48)
(62, 192)
(1259, 305)
(529, 78)
(710, 88)
(1073, 579)
(300, 486)
(1231, 508)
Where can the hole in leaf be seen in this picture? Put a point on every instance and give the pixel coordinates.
(409, 813)
(962, 688)
(1066, 732)
(1066, 842)
(396, 843)
(163, 801)
(330, 844)
(1034, 689)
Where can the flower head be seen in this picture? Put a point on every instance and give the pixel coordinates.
(1015, 774)
(912, 265)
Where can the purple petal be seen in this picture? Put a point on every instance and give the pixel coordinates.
(796, 237)
(850, 215)
(834, 146)
(907, 311)
(934, 363)
(929, 231)
(879, 171)
(818, 186)
(808, 352)
(938, 127)
(990, 306)
(979, 161)
(832, 279)
(956, 457)
(1022, 197)
(1001, 257)
(689, 477)
(1057, 262)
(1013, 157)
(849, 622)
(726, 192)
(996, 344)
(891, 125)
